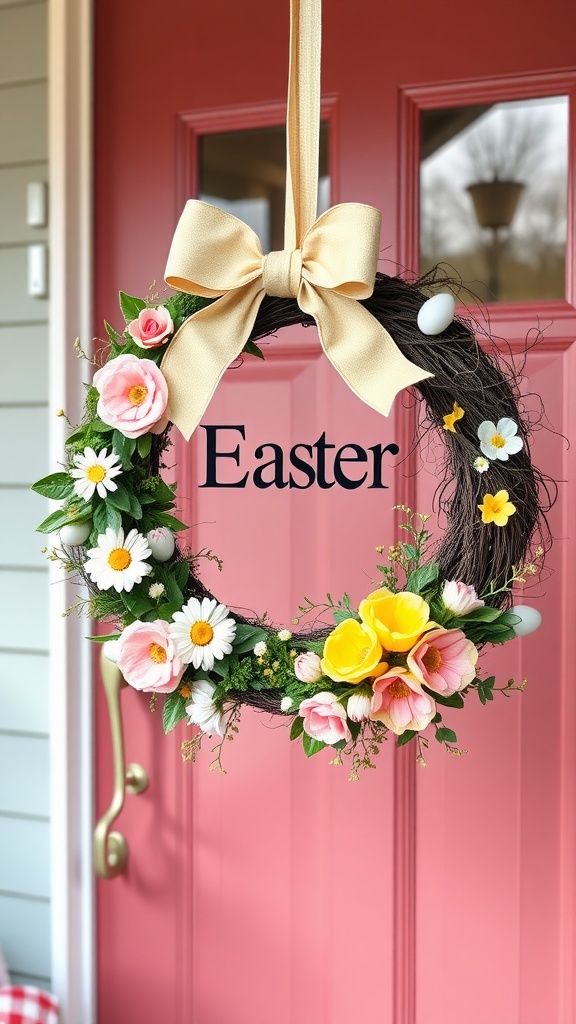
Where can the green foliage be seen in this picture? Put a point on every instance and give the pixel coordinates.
(56, 486)
(253, 350)
(424, 579)
(124, 448)
(73, 512)
(297, 728)
(405, 737)
(311, 746)
(247, 636)
(181, 306)
(130, 306)
(174, 711)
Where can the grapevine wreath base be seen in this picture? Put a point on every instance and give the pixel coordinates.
(390, 666)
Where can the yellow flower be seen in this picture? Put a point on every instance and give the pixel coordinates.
(398, 620)
(449, 420)
(351, 653)
(496, 508)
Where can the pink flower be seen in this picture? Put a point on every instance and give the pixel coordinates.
(307, 667)
(133, 396)
(459, 598)
(400, 702)
(324, 718)
(147, 657)
(152, 327)
(444, 660)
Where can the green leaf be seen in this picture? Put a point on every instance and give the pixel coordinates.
(62, 517)
(455, 700)
(247, 637)
(445, 735)
(130, 306)
(174, 711)
(113, 518)
(135, 506)
(483, 614)
(253, 350)
(56, 486)
(341, 614)
(173, 592)
(119, 498)
(181, 573)
(311, 746)
(99, 426)
(164, 519)
(406, 736)
(144, 444)
(482, 694)
(124, 448)
(165, 611)
(137, 604)
(113, 335)
(163, 491)
(423, 578)
(509, 619)
(103, 639)
(297, 728)
(437, 718)
(410, 551)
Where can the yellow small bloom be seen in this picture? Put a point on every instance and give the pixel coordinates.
(398, 620)
(449, 420)
(496, 508)
(184, 690)
(351, 652)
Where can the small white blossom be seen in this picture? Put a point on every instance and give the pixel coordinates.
(481, 464)
(260, 649)
(156, 590)
(284, 634)
(286, 703)
(499, 440)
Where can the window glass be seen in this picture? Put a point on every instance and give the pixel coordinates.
(493, 187)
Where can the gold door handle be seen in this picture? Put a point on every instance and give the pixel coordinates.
(110, 848)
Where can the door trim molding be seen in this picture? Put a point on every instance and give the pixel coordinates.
(70, 43)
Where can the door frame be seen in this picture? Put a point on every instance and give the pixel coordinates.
(70, 131)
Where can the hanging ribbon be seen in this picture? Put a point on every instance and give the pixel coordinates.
(326, 265)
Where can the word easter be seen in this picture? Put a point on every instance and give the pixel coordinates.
(309, 461)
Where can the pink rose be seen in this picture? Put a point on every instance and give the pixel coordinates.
(147, 657)
(307, 667)
(444, 660)
(133, 396)
(459, 598)
(324, 718)
(152, 327)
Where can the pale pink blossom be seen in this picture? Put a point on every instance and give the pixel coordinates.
(400, 702)
(359, 706)
(147, 657)
(459, 598)
(152, 327)
(444, 660)
(133, 395)
(324, 718)
(307, 667)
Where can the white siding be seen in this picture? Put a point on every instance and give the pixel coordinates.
(24, 592)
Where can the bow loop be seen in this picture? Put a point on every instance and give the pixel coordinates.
(212, 252)
(282, 273)
(340, 251)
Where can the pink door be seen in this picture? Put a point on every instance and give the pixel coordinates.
(281, 893)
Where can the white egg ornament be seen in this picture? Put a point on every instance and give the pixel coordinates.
(75, 534)
(436, 314)
(111, 649)
(161, 543)
(530, 619)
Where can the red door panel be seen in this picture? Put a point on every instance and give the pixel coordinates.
(280, 893)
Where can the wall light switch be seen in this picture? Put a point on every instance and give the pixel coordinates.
(38, 271)
(37, 204)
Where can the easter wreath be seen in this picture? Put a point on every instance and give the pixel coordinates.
(389, 667)
(411, 647)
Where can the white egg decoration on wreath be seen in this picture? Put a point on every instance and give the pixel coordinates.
(161, 543)
(530, 619)
(436, 314)
(75, 534)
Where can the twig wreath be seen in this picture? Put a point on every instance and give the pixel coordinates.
(411, 647)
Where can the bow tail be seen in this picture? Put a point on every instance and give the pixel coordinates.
(360, 348)
(203, 348)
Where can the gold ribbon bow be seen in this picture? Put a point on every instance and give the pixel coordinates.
(326, 265)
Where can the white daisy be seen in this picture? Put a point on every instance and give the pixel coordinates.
(202, 710)
(481, 464)
(498, 441)
(284, 634)
(118, 562)
(202, 632)
(95, 472)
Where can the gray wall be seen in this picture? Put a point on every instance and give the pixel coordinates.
(24, 767)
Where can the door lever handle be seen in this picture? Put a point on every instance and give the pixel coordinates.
(110, 848)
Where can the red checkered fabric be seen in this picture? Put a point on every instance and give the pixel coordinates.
(24, 1004)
